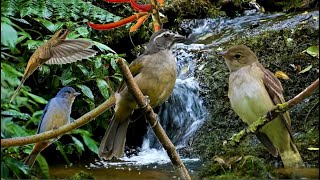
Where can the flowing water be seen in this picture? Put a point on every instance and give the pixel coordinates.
(184, 111)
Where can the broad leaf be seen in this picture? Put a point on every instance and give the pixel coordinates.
(9, 36)
(86, 91)
(103, 87)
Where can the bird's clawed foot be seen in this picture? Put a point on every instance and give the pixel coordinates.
(146, 100)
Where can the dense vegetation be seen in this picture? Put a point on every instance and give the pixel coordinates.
(24, 27)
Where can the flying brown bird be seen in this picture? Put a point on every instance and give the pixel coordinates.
(57, 50)
(155, 74)
(253, 91)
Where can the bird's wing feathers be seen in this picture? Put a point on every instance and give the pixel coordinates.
(70, 51)
(275, 91)
(42, 116)
(44, 53)
(135, 68)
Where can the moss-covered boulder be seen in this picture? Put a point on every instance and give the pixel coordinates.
(278, 50)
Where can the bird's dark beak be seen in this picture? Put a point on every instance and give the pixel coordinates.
(179, 38)
(76, 94)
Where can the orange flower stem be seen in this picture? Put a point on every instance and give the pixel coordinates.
(139, 23)
(118, 23)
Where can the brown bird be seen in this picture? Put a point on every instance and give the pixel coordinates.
(57, 50)
(253, 91)
(155, 74)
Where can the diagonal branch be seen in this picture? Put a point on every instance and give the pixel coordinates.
(153, 120)
(19, 141)
(275, 112)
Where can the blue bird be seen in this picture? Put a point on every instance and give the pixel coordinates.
(56, 114)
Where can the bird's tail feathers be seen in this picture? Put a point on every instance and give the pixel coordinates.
(18, 89)
(112, 144)
(291, 158)
(35, 151)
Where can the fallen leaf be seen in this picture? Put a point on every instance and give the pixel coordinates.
(282, 75)
(312, 51)
(305, 69)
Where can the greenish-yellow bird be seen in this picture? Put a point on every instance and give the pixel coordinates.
(253, 91)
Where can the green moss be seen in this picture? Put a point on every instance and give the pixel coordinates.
(246, 167)
(82, 175)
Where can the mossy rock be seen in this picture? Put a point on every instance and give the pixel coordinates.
(278, 51)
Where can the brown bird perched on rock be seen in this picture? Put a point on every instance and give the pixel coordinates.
(57, 50)
(155, 74)
(253, 91)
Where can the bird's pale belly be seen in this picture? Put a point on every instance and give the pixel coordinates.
(249, 98)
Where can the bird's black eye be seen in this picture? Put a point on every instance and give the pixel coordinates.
(166, 35)
(237, 56)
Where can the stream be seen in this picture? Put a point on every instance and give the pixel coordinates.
(184, 112)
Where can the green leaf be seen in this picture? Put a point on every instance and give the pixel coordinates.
(83, 31)
(97, 62)
(305, 69)
(16, 166)
(32, 44)
(4, 170)
(102, 47)
(78, 143)
(113, 64)
(48, 24)
(38, 99)
(86, 91)
(103, 87)
(313, 51)
(91, 144)
(15, 114)
(83, 69)
(43, 165)
(60, 148)
(9, 69)
(9, 36)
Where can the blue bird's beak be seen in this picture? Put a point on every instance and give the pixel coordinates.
(76, 94)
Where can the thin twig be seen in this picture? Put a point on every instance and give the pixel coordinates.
(275, 112)
(153, 120)
(19, 141)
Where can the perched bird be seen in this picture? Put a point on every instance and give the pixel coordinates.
(56, 114)
(253, 91)
(57, 50)
(155, 74)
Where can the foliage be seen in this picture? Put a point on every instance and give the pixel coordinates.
(24, 26)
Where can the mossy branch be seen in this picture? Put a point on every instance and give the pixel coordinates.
(19, 141)
(275, 112)
(153, 120)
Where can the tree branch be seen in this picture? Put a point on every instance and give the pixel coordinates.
(19, 141)
(275, 112)
(153, 120)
